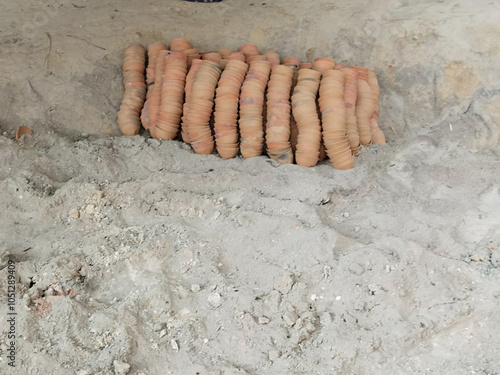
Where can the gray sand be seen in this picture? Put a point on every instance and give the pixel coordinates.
(135, 256)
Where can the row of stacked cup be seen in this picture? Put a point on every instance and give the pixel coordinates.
(248, 99)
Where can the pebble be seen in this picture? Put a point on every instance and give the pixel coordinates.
(357, 229)
(284, 285)
(300, 336)
(215, 299)
(375, 288)
(346, 214)
(356, 268)
(263, 320)
(299, 323)
(174, 344)
(195, 288)
(121, 368)
(74, 213)
(290, 318)
(476, 258)
(157, 327)
(274, 355)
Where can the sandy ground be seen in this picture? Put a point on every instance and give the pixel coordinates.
(135, 256)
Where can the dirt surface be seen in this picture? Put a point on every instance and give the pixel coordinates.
(135, 256)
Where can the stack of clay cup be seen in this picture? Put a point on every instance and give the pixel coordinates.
(184, 46)
(279, 113)
(154, 100)
(134, 65)
(201, 106)
(195, 65)
(350, 99)
(334, 119)
(365, 107)
(305, 114)
(226, 108)
(252, 109)
(180, 44)
(273, 57)
(236, 56)
(214, 57)
(172, 96)
(225, 53)
(249, 50)
(225, 57)
(321, 64)
(153, 50)
(301, 111)
(293, 63)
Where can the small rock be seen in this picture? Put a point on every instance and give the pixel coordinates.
(284, 285)
(375, 288)
(346, 214)
(157, 327)
(74, 213)
(300, 336)
(274, 355)
(215, 299)
(314, 297)
(356, 268)
(357, 229)
(290, 318)
(163, 333)
(476, 258)
(121, 368)
(174, 344)
(195, 288)
(263, 320)
(299, 323)
(200, 214)
(243, 220)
